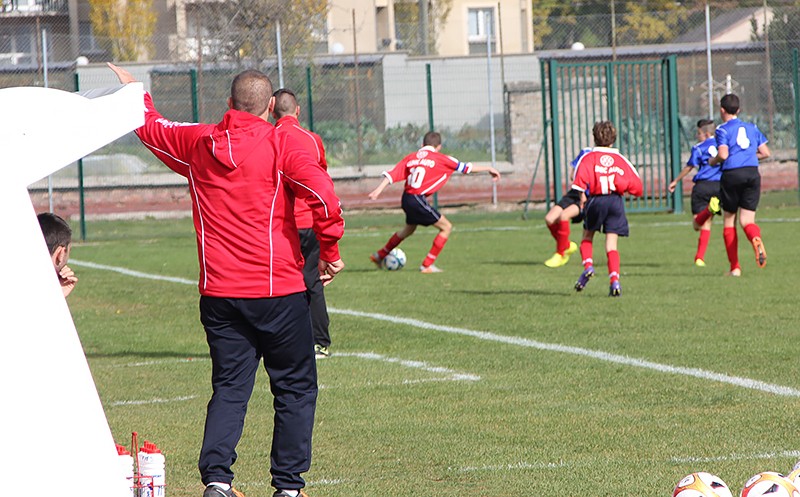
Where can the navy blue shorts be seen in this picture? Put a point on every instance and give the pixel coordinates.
(418, 210)
(702, 191)
(606, 213)
(740, 188)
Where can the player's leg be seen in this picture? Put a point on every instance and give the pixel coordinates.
(705, 203)
(234, 362)
(613, 265)
(309, 247)
(750, 197)
(445, 227)
(616, 225)
(586, 256)
(558, 221)
(729, 195)
(286, 342)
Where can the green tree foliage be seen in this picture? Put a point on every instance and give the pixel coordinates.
(124, 28)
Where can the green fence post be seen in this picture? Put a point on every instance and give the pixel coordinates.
(611, 91)
(546, 122)
(554, 129)
(195, 96)
(673, 139)
(796, 81)
(81, 193)
(430, 116)
(310, 110)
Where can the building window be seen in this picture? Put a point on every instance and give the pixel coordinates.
(480, 29)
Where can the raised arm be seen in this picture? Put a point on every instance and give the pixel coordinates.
(494, 172)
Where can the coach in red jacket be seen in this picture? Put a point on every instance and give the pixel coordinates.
(244, 177)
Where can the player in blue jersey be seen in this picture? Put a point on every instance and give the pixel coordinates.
(558, 219)
(705, 192)
(740, 146)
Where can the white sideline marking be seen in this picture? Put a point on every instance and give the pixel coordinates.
(156, 363)
(151, 401)
(309, 483)
(510, 467)
(450, 375)
(135, 274)
(603, 356)
(519, 341)
(738, 457)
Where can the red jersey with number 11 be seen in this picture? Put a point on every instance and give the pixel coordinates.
(604, 171)
(426, 171)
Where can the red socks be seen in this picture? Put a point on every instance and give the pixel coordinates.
(702, 244)
(393, 242)
(752, 231)
(586, 253)
(702, 217)
(438, 245)
(731, 246)
(613, 265)
(562, 242)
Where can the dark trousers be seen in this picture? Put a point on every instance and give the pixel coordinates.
(309, 246)
(239, 333)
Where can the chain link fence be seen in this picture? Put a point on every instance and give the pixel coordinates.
(372, 108)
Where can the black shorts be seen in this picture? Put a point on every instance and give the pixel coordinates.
(606, 213)
(572, 197)
(418, 210)
(740, 188)
(702, 191)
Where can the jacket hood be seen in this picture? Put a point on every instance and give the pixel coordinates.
(237, 136)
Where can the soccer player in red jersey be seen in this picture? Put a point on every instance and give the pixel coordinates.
(607, 175)
(424, 172)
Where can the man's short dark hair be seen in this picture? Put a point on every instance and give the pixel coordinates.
(604, 133)
(432, 139)
(285, 103)
(730, 104)
(706, 125)
(251, 91)
(56, 231)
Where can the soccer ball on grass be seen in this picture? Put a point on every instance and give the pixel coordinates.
(701, 484)
(394, 260)
(770, 484)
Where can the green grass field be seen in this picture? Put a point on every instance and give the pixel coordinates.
(492, 378)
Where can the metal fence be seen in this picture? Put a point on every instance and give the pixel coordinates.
(371, 108)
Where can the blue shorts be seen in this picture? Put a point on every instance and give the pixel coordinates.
(606, 213)
(418, 210)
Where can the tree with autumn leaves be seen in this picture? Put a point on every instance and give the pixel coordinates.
(124, 27)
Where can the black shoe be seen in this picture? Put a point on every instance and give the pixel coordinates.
(215, 491)
(283, 493)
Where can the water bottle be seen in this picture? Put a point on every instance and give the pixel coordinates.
(126, 466)
(152, 477)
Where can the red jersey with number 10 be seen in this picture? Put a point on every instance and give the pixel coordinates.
(426, 171)
(604, 171)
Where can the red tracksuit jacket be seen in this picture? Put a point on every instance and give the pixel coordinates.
(313, 145)
(244, 177)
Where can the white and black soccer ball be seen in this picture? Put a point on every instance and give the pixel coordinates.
(701, 484)
(769, 484)
(394, 260)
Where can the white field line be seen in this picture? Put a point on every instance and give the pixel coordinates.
(509, 467)
(738, 457)
(152, 401)
(449, 374)
(521, 342)
(594, 354)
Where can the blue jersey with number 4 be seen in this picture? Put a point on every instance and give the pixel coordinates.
(701, 154)
(742, 140)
